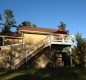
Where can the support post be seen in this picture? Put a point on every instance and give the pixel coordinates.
(2, 41)
(71, 58)
(62, 38)
(52, 58)
(23, 39)
(51, 37)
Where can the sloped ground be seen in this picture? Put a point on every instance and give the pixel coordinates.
(44, 74)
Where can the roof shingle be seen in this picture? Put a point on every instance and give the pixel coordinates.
(27, 28)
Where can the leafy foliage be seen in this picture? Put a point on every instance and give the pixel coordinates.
(34, 25)
(9, 18)
(62, 26)
(9, 21)
(26, 23)
(80, 49)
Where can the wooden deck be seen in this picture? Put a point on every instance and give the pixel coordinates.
(61, 39)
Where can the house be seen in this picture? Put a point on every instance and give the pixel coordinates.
(42, 47)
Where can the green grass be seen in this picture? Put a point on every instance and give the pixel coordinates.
(44, 74)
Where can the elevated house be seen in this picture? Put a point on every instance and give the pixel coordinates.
(41, 47)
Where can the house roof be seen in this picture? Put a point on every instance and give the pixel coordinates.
(14, 36)
(59, 31)
(41, 30)
(26, 28)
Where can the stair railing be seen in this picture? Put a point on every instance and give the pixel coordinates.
(29, 53)
(35, 47)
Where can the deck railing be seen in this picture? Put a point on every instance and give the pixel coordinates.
(62, 39)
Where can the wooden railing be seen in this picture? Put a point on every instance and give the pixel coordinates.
(35, 49)
(43, 42)
(62, 39)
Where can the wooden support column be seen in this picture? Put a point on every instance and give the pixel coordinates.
(63, 38)
(52, 58)
(23, 39)
(3, 41)
(71, 58)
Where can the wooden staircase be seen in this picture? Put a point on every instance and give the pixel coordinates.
(33, 51)
(48, 41)
(60, 39)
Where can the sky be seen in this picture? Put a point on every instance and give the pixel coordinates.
(49, 13)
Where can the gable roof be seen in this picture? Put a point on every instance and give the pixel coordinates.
(36, 29)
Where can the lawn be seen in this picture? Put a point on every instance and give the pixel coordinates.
(44, 74)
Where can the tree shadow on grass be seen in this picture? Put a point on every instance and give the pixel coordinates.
(61, 74)
(52, 74)
(24, 77)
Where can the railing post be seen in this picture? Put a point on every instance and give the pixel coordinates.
(51, 37)
(62, 38)
(70, 39)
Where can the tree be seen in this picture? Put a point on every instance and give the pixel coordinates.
(62, 26)
(26, 23)
(80, 49)
(9, 21)
(34, 25)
